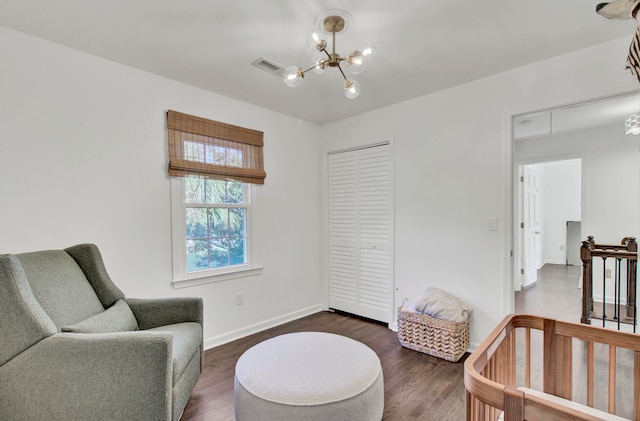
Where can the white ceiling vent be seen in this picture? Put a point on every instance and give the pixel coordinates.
(268, 66)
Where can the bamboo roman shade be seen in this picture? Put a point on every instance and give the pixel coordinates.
(211, 149)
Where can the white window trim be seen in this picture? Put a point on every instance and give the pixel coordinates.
(183, 279)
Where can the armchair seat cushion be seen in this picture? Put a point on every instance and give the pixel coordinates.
(187, 338)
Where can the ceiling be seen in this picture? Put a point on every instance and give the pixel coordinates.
(422, 46)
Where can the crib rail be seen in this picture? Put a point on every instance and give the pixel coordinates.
(498, 370)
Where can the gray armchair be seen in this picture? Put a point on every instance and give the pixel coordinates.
(73, 347)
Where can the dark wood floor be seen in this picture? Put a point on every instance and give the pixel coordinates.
(417, 386)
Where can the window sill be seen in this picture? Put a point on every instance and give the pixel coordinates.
(202, 278)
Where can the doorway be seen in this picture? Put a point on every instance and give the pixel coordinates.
(550, 210)
(592, 133)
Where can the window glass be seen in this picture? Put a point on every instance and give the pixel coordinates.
(215, 223)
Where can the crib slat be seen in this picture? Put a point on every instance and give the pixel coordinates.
(493, 366)
(550, 357)
(527, 357)
(496, 363)
(493, 413)
(481, 413)
(612, 379)
(564, 379)
(504, 359)
(513, 404)
(512, 358)
(590, 372)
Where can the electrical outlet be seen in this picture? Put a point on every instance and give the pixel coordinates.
(239, 299)
(607, 273)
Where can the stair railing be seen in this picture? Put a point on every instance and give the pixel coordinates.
(626, 253)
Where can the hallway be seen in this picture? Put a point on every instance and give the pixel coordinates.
(555, 295)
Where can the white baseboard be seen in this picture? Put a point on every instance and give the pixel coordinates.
(553, 262)
(277, 321)
(610, 300)
(259, 327)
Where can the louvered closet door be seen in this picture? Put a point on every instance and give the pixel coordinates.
(360, 232)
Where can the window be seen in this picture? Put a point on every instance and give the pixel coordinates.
(215, 222)
(213, 166)
(211, 230)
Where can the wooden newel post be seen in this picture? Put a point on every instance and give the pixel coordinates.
(587, 281)
(632, 265)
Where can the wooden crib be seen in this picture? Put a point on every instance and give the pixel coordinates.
(533, 368)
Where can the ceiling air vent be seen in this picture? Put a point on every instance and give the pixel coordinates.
(268, 66)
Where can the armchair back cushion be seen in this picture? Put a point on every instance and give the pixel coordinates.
(60, 286)
(22, 320)
(88, 257)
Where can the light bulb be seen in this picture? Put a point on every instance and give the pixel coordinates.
(356, 58)
(292, 76)
(356, 63)
(368, 49)
(317, 60)
(315, 41)
(351, 88)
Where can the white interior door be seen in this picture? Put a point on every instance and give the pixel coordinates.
(360, 232)
(530, 225)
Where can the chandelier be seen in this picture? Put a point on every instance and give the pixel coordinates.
(331, 23)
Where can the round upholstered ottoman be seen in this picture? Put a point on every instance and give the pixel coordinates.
(309, 376)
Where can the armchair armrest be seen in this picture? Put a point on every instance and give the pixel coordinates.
(125, 375)
(158, 312)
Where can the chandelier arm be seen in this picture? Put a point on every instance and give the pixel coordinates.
(310, 68)
(343, 75)
(322, 62)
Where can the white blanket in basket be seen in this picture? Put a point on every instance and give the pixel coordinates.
(440, 304)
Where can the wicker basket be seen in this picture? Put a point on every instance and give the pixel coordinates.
(440, 338)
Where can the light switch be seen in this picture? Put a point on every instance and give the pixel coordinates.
(493, 224)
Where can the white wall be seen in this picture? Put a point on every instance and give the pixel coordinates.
(610, 171)
(453, 171)
(66, 118)
(84, 159)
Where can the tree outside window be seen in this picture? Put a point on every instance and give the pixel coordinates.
(215, 223)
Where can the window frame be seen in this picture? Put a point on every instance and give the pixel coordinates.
(181, 277)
